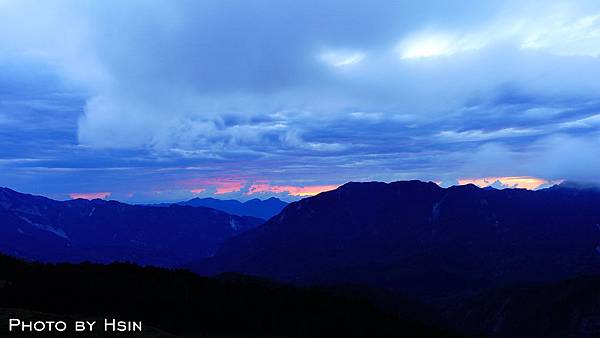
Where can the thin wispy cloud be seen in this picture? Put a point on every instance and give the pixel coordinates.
(89, 195)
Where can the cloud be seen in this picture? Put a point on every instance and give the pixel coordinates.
(90, 195)
(220, 185)
(176, 76)
(341, 58)
(567, 36)
(434, 45)
(301, 191)
(246, 186)
(551, 158)
(530, 183)
(249, 91)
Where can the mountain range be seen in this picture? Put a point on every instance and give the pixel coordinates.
(255, 207)
(418, 238)
(38, 228)
(502, 263)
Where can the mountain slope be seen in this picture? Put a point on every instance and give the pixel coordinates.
(264, 209)
(422, 239)
(38, 228)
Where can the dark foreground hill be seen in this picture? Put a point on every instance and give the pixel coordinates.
(38, 228)
(185, 304)
(569, 308)
(423, 240)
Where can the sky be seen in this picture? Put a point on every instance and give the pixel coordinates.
(145, 101)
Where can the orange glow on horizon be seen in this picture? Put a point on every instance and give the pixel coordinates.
(222, 185)
(303, 191)
(525, 182)
(89, 195)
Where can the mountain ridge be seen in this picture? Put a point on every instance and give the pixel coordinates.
(39, 228)
(255, 207)
(408, 235)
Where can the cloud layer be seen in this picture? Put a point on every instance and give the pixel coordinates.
(139, 97)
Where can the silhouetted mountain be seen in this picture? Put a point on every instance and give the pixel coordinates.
(422, 239)
(180, 302)
(569, 308)
(264, 209)
(38, 228)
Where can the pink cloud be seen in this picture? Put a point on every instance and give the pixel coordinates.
(222, 185)
(89, 195)
(234, 183)
(227, 187)
(309, 190)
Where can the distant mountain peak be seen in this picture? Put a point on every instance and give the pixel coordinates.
(255, 207)
(10, 191)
